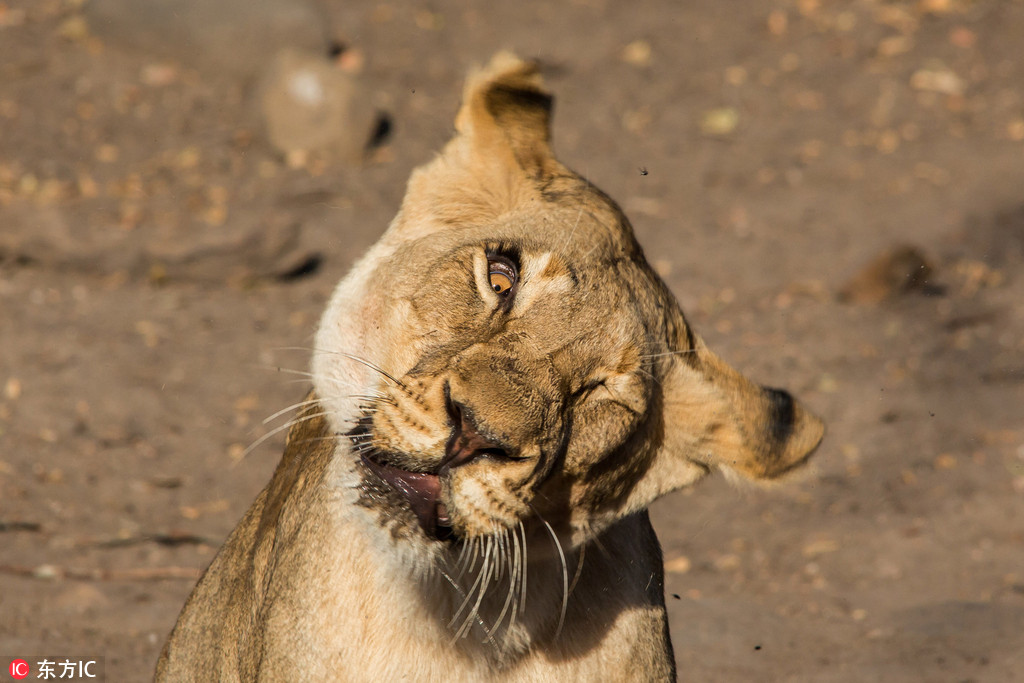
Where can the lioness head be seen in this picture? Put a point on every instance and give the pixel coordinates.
(505, 354)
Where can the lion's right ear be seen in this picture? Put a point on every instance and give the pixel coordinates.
(499, 157)
(505, 110)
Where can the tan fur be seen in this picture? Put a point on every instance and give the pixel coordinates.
(547, 421)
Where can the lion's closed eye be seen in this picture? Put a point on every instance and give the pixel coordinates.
(625, 389)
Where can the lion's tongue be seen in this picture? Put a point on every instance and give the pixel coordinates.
(421, 490)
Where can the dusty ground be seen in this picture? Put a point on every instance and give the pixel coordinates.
(154, 307)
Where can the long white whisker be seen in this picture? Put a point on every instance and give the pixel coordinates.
(336, 383)
(290, 371)
(460, 561)
(287, 425)
(565, 574)
(669, 353)
(294, 406)
(350, 356)
(485, 577)
(579, 569)
(576, 224)
(297, 381)
(475, 552)
(450, 580)
(499, 567)
(525, 564)
(356, 420)
(464, 596)
(516, 576)
(367, 437)
(368, 364)
(373, 398)
(472, 588)
(596, 540)
(511, 580)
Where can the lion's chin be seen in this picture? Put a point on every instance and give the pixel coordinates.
(423, 493)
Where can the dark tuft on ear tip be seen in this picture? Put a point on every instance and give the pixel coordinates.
(781, 416)
(791, 434)
(518, 107)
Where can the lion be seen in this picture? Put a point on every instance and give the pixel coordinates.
(501, 387)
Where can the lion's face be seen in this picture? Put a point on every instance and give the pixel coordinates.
(517, 357)
(505, 354)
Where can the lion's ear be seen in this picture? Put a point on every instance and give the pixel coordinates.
(497, 161)
(716, 417)
(505, 110)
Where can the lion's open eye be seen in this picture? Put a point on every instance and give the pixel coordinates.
(502, 275)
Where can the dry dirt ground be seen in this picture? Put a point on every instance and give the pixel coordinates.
(834, 191)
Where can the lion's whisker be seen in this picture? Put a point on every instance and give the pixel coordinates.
(357, 420)
(483, 581)
(669, 353)
(565, 573)
(515, 577)
(479, 586)
(511, 579)
(297, 381)
(579, 568)
(366, 363)
(525, 564)
(345, 354)
(287, 425)
(367, 436)
(294, 406)
(374, 398)
(499, 570)
(579, 215)
(469, 593)
(289, 371)
(460, 560)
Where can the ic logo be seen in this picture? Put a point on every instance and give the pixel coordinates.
(19, 669)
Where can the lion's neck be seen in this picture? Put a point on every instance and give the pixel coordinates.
(482, 604)
(487, 600)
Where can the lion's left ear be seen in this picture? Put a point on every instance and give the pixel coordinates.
(720, 418)
(506, 110)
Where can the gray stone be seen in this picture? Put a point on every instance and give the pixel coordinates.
(257, 241)
(309, 104)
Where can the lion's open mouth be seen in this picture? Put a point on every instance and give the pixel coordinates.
(422, 490)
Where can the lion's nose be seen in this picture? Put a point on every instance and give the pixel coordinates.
(466, 443)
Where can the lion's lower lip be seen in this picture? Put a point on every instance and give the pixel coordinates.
(423, 491)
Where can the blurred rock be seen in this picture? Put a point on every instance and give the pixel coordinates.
(258, 241)
(895, 271)
(310, 104)
(236, 37)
